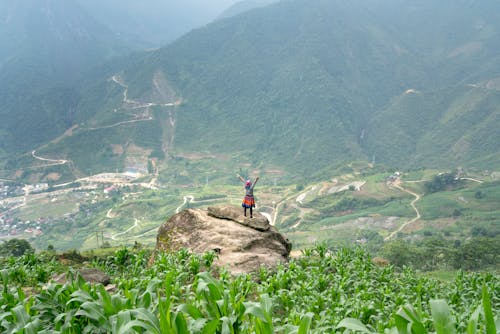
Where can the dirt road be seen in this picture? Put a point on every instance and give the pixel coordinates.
(417, 217)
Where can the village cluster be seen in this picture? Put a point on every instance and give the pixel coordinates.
(13, 197)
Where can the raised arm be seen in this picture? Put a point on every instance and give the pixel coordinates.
(255, 182)
(239, 176)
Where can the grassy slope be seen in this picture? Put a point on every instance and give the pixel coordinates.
(455, 125)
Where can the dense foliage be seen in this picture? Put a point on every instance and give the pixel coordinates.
(442, 182)
(477, 253)
(15, 247)
(322, 291)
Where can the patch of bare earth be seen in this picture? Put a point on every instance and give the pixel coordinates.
(374, 222)
(274, 171)
(117, 149)
(196, 156)
(414, 227)
(67, 133)
(53, 177)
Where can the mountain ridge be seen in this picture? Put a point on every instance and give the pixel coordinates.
(306, 85)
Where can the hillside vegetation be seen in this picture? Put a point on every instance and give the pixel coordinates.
(308, 86)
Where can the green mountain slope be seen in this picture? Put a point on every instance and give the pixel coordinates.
(298, 82)
(306, 85)
(293, 82)
(45, 49)
(453, 126)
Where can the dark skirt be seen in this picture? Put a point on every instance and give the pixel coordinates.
(248, 202)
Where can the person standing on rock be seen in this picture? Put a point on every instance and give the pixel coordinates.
(249, 200)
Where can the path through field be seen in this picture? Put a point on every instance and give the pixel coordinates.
(417, 217)
(136, 224)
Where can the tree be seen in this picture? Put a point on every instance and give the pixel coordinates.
(399, 253)
(479, 253)
(442, 182)
(16, 248)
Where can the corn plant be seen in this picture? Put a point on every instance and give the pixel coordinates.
(324, 291)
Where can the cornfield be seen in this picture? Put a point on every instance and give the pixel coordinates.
(323, 291)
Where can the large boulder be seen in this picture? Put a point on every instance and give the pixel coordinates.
(243, 244)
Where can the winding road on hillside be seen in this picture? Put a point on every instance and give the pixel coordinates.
(417, 217)
(121, 123)
(187, 199)
(136, 224)
(471, 179)
(54, 162)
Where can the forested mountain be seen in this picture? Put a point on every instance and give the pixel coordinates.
(55, 38)
(154, 23)
(243, 6)
(305, 85)
(45, 48)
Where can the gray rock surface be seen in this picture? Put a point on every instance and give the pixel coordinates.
(243, 244)
(91, 275)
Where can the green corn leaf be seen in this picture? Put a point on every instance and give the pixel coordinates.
(93, 311)
(33, 327)
(488, 313)
(191, 310)
(415, 325)
(473, 321)
(443, 322)
(128, 327)
(354, 325)
(4, 274)
(80, 297)
(165, 321)
(256, 310)
(4, 317)
(106, 301)
(402, 324)
(120, 322)
(211, 327)
(209, 284)
(305, 323)
(392, 330)
(197, 325)
(120, 303)
(226, 326)
(144, 300)
(263, 319)
(149, 321)
(181, 324)
(22, 318)
(267, 303)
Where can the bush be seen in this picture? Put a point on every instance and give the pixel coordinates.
(16, 248)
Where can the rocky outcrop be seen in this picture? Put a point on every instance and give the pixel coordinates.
(90, 275)
(243, 244)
